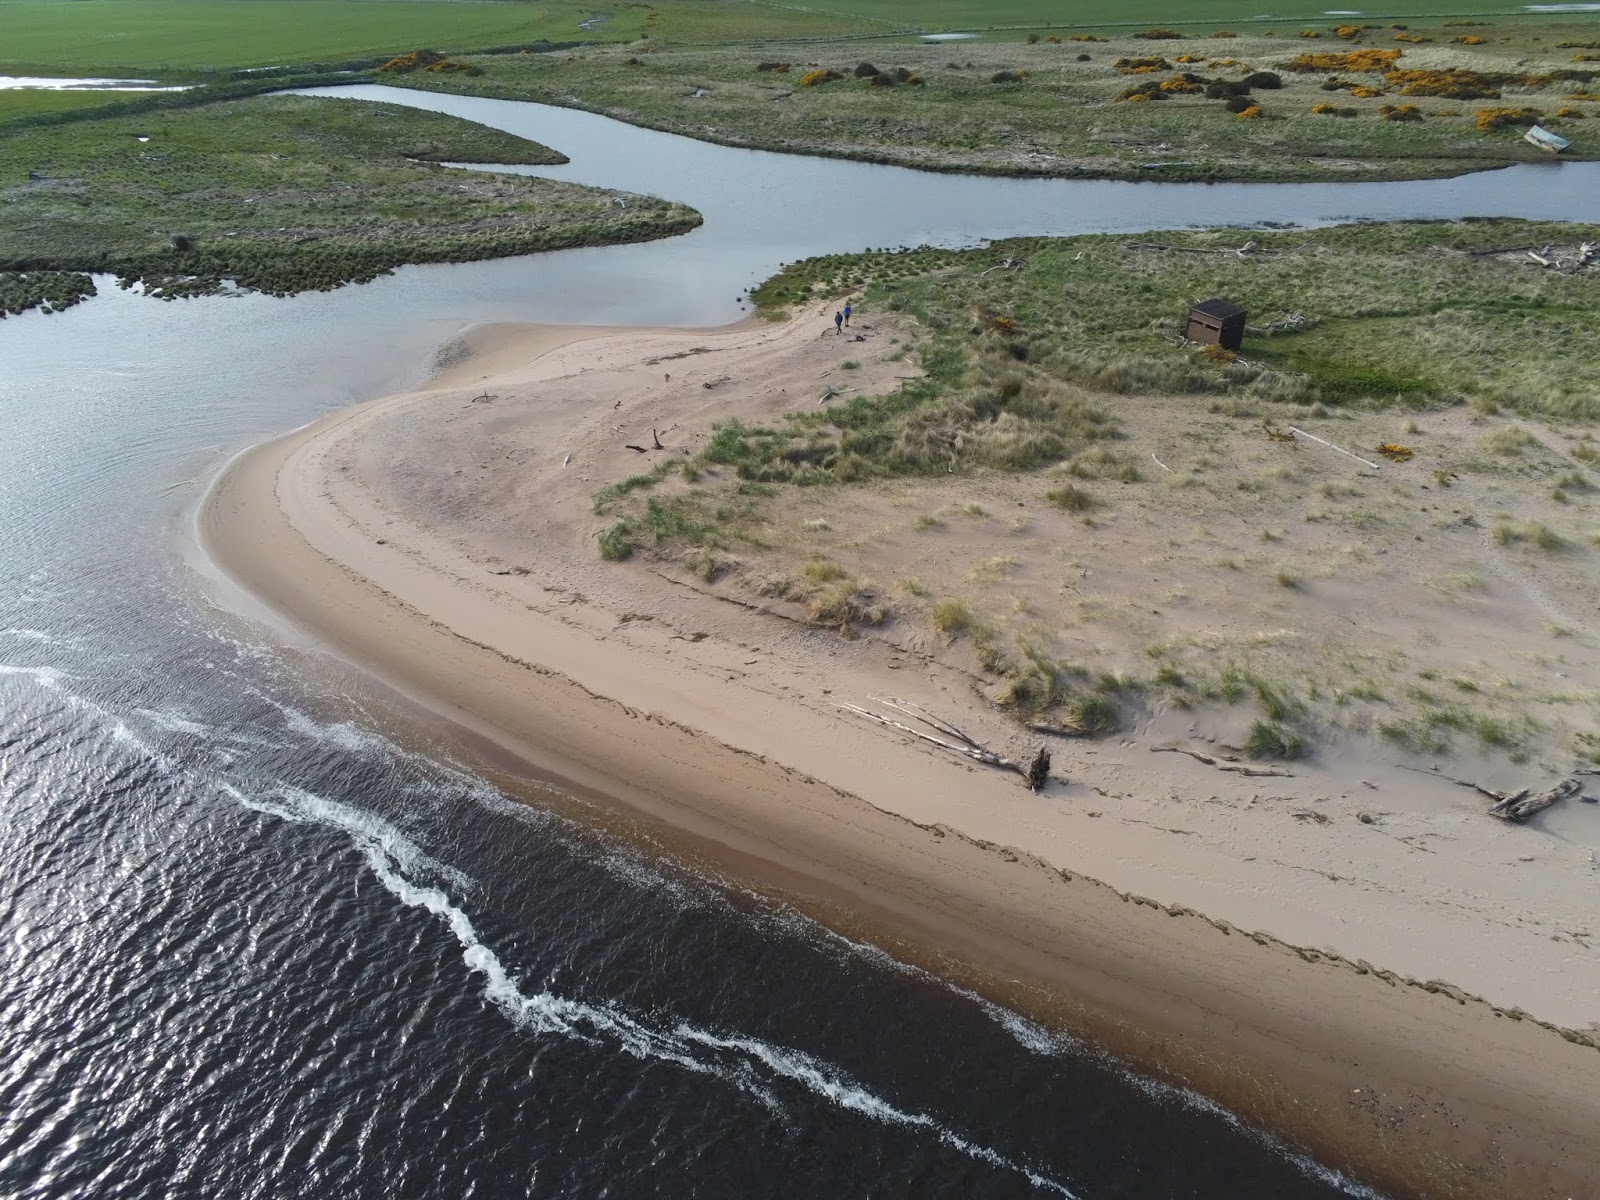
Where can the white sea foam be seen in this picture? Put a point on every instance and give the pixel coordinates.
(751, 1065)
(371, 832)
(49, 677)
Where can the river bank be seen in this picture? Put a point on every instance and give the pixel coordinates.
(447, 542)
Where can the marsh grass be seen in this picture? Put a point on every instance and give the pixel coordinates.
(1063, 106)
(282, 194)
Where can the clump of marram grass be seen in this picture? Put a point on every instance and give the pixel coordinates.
(1507, 440)
(615, 544)
(1534, 533)
(1287, 577)
(1269, 740)
(915, 587)
(1070, 498)
(1102, 462)
(953, 618)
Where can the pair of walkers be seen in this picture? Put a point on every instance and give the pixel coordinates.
(841, 319)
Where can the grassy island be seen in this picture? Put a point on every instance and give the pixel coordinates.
(1347, 102)
(280, 194)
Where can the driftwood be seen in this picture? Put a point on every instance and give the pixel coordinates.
(1227, 763)
(1249, 248)
(1520, 806)
(1006, 264)
(1055, 730)
(953, 739)
(640, 449)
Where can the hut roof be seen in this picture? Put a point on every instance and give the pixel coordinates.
(1219, 308)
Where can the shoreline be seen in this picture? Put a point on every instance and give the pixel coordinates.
(742, 773)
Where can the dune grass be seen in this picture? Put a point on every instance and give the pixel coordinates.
(1411, 314)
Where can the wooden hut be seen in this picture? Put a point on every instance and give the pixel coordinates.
(1216, 321)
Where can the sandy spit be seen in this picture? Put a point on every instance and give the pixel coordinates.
(442, 539)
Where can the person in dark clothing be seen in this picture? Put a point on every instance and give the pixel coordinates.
(838, 322)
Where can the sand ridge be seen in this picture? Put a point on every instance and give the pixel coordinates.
(446, 537)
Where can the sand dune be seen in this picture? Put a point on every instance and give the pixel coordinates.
(445, 539)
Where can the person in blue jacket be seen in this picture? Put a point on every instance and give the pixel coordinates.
(847, 314)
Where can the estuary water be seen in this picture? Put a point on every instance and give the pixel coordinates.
(255, 944)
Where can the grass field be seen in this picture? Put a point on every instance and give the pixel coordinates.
(186, 36)
(1061, 108)
(282, 194)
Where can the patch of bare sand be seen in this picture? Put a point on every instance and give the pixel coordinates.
(456, 551)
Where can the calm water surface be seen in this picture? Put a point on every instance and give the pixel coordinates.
(251, 947)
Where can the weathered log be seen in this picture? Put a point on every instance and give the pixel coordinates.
(640, 449)
(1055, 730)
(1520, 807)
(966, 748)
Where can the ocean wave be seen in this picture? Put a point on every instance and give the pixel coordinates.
(751, 1065)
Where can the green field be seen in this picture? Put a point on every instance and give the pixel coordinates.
(185, 36)
(189, 36)
(283, 194)
(64, 36)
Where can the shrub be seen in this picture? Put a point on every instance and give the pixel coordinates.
(1489, 119)
(1329, 110)
(1160, 35)
(1005, 77)
(1453, 84)
(1468, 39)
(1355, 60)
(1364, 93)
(1223, 33)
(1405, 112)
(1270, 740)
(1571, 114)
(1266, 80)
(1241, 105)
(821, 76)
(865, 71)
(1415, 39)
(1141, 66)
(780, 67)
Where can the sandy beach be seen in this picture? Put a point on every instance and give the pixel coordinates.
(1349, 952)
